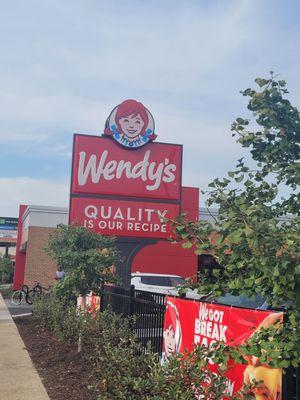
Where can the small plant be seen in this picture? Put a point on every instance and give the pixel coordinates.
(6, 291)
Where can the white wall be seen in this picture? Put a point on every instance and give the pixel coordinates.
(43, 216)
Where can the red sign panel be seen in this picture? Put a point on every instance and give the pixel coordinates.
(100, 166)
(188, 324)
(123, 218)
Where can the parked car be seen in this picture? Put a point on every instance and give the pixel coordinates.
(255, 302)
(162, 284)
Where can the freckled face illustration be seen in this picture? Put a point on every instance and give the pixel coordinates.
(172, 333)
(132, 125)
(169, 341)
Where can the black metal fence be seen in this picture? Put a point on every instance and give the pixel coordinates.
(148, 310)
(291, 384)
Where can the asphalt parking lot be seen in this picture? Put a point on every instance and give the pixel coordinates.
(19, 310)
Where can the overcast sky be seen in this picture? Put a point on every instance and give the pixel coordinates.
(66, 63)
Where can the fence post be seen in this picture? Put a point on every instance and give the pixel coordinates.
(101, 294)
(131, 297)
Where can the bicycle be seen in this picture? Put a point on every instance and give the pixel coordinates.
(28, 295)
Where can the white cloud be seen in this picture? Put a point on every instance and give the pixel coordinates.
(8, 136)
(25, 190)
(175, 50)
(58, 111)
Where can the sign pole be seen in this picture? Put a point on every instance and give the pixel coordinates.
(128, 248)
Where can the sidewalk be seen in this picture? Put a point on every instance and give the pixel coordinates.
(18, 377)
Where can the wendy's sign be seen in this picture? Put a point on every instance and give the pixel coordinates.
(122, 183)
(101, 167)
(130, 124)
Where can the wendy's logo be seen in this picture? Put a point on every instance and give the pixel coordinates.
(130, 124)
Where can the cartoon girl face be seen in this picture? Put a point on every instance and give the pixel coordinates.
(172, 333)
(131, 125)
(169, 341)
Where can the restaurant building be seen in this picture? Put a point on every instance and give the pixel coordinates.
(126, 184)
(36, 223)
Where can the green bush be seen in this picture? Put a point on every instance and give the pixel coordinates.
(59, 317)
(6, 270)
(48, 312)
(122, 368)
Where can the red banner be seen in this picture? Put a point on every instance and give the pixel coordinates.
(123, 218)
(188, 324)
(89, 304)
(102, 167)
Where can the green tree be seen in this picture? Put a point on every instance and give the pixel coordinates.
(256, 235)
(86, 257)
(6, 269)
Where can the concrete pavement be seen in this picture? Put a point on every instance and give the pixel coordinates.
(18, 377)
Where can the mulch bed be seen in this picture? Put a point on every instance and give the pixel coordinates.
(64, 372)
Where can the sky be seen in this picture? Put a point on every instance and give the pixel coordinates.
(66, 64)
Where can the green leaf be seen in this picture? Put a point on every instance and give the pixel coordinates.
(239, 178)
(187, 245)
(262, 82)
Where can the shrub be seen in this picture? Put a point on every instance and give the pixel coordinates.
(6, 292)
(6, 270)
(123, 369)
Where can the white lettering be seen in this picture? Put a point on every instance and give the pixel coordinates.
(102, 224)
(169, 176)
(129, 217)
(145, 227)
(161, 214)
(215, 332)
(209, 328)
(96, 169)
(130, 226)
(140, 214)
(223, 329)
(140, 169)
(119, 225)
(149, 211)
(155, 176)
(118, 214)
(91, 212)
(156, 227)
(109, 169)
(123, 166)
(197, 325)
(108, 215)
(90, 168)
